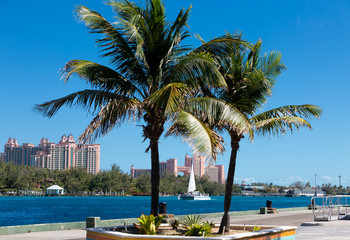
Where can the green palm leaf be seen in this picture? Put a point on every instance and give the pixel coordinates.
(99, 76)
(221, 45)
(90, 100)
(219, 114)
(169, 98)
(119, 49)
(303, 111)
(272, 66)
(204, 140)
(279, 125)
(196, 70)
(114, 113)
(132, 22)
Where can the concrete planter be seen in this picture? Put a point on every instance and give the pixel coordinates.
(277, 233)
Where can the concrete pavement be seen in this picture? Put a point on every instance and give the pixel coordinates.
(51, 235)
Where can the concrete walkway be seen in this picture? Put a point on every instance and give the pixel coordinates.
(51, 235)
(313, 230)
(307, 228)
(334, 230)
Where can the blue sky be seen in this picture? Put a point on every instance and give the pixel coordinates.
(38, 37)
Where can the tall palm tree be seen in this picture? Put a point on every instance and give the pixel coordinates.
(150, 78)
(250, 77)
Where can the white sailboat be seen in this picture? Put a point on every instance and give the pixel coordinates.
(192, 194)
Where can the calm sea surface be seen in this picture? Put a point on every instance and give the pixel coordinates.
(33, 210)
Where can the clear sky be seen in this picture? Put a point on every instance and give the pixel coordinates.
(38, 37)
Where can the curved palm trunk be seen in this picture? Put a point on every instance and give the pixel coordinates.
(225, 221)
(155, 176)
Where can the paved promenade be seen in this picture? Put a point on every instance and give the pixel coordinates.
(335, 230)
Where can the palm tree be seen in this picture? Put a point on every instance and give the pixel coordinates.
(250, 78)
(150, 79)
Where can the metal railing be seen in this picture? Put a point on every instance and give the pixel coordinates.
(328, 208)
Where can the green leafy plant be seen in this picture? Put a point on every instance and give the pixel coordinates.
(196, 226)
(256, 228)
(175, 224)
(191, 220)
(149, 224)
(203, 229)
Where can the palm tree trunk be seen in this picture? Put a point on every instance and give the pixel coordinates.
(155, 176)
(225, 221)
(153, 131)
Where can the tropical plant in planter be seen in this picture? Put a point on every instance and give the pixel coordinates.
(175, 224)
(203, 229)
(196, 226)
(192, 219)
(149, 224)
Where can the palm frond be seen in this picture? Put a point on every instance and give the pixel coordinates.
(114, 113)
(254, 55)
(218, 114)
(99, 76)
(304, 111)
(272, 66)
(116, 47)
(169, 98)
(280, 125)
(90, 100)
(177, 33)
(220, 46)
(203, 140)
(196, 70)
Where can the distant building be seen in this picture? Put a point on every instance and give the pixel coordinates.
(162, 168)
(215, 173)
(198, 165)
(138, 172)
(171, 166)
(64, 155)
(54, 190)
(305, 191)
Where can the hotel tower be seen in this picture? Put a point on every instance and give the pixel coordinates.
(64, 155)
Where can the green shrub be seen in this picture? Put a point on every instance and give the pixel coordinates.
(256, 228)
(175, 224)
(149, 224)
(192, 219)
(203, 229)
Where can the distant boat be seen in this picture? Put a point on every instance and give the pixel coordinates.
(192, 194)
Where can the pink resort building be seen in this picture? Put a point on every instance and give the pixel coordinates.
(64, 155)
(214, 173)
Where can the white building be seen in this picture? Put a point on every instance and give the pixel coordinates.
(54, 190)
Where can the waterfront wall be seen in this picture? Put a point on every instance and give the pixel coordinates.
(112, 222)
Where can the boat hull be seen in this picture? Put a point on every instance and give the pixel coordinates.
(194, 198)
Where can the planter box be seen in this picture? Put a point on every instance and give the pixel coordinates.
(267, 233)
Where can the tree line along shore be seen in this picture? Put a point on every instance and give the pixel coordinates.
(25, 180)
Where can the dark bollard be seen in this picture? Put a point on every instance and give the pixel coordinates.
(162, 208)
(269, 204)
(92, 222)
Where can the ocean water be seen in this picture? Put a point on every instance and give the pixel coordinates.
(34, 210)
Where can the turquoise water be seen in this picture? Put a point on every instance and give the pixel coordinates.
(33, 210)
